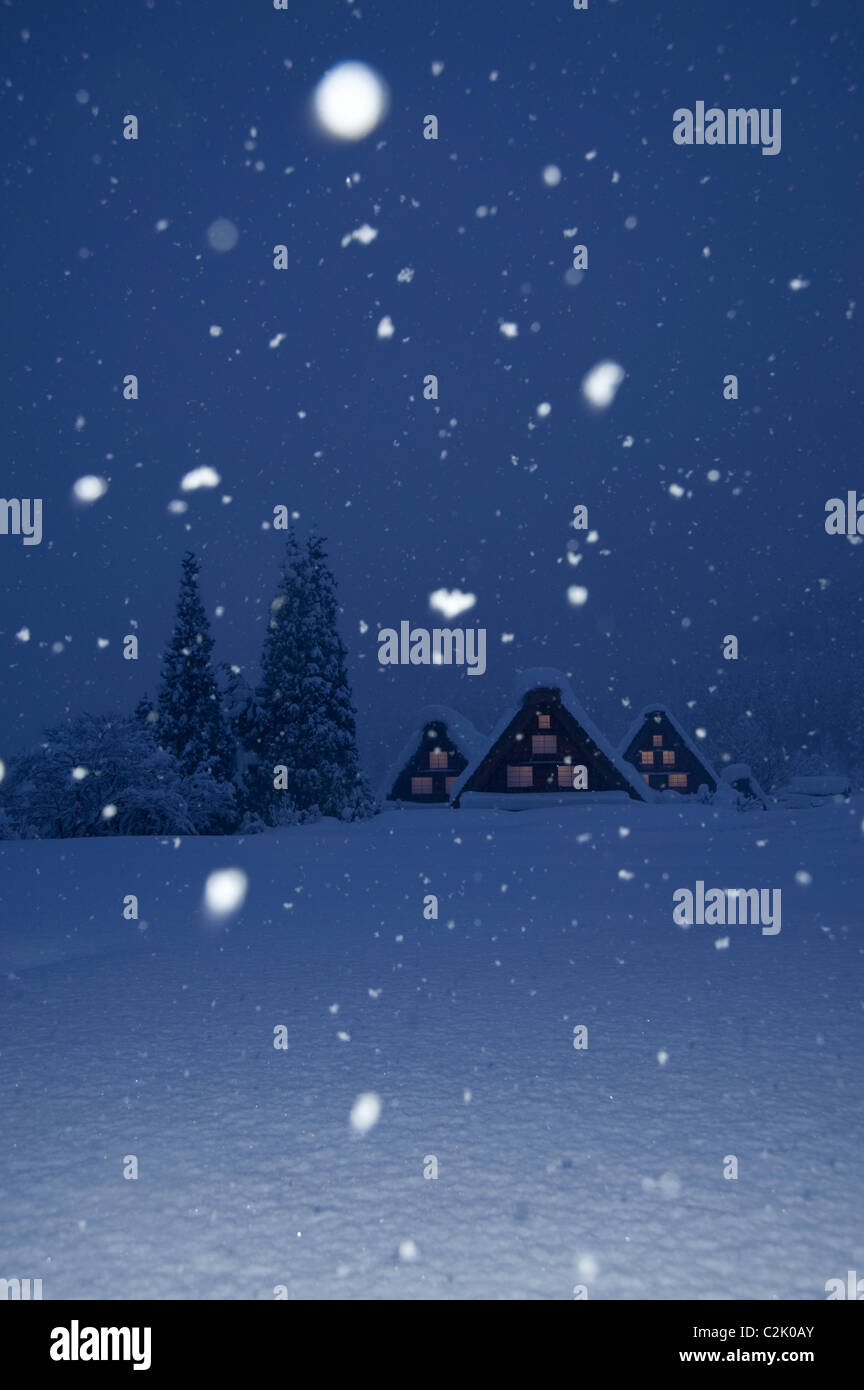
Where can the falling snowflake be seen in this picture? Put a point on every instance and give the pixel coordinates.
(451, 603)
(365, 1112)
(364, 235)
(225, 891)
(203, 476)
(350, 101)
(600, 385)
(90, 488)
(222, 235)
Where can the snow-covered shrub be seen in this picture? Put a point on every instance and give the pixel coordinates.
(96, 775)
(212, 804)
(725, 795)
(738, 778)
(286, 813)
(360, 804)
(152, 811)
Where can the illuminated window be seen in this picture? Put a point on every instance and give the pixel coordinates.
(421, 786)
(449, 784)
(647, 758)
(565, 775)
(520, 776)
(437, 759)
(544, 721)
(678, 779)
(543, 743)
(647, 778)
(658, 740)
(668, 757)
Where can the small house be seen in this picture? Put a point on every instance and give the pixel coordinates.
(546, 751)
(664, 755)
(439, 748)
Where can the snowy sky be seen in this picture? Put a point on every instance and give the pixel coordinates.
(691, 255)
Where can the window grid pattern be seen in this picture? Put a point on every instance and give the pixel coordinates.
(544, 744)
(520, 776)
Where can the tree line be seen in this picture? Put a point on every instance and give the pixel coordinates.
(210, 755)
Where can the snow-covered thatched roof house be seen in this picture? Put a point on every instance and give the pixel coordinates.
(665, 755)
(546, 751)
(441, 744)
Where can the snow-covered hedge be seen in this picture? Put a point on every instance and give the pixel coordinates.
(99, 775)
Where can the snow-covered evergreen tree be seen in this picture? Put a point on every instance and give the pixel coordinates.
(269, 721)
(326, 772)
(146, 712)
(191, 723)
(303, 735)
(237, 700)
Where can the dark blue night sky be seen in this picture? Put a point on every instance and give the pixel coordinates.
(473, 491)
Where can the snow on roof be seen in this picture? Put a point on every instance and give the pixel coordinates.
(539, 678)
(468, 740)
(637, 724)
(735, 772)
(827, 785)
(742, 772)
(549, 678)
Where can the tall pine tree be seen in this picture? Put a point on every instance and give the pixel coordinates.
(304, 715)
(327, 772)
(270, 718)
(191, 723)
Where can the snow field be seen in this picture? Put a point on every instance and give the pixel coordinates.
(557, 1167)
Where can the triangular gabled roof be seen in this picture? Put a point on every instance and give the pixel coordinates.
(548, 678)
(639, 724)
(467, 739)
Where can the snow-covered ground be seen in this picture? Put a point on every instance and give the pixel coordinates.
(556, 1166)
